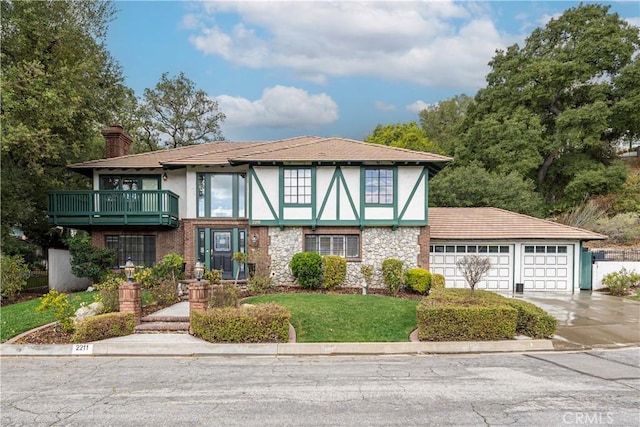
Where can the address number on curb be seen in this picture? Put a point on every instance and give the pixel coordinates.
(82, 349)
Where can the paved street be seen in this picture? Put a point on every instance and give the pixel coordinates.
(541, 389)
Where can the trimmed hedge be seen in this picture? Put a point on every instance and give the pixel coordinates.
(452, 322)
(418, 280)
(437, 281)
(334, 271)
(103, 326)
(453, 315)
(253, 324)
(533, 321)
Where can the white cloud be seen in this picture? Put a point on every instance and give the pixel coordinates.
(383, 106)
(279, 107)
(635, 21)
(439, 43)
(417, 106)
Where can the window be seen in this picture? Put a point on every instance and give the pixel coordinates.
(346, 246)
(297, 186)
(378, 186)
(221, 195)
(119, 182)
(141, 249)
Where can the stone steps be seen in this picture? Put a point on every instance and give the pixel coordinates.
(162, 327)
(154, 324)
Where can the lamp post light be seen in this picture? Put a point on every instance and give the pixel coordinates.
(198, 270)
(129, 270)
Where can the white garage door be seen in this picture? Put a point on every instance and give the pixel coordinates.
(443, 258)
(547, 267)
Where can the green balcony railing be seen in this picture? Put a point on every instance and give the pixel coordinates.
(113, 207)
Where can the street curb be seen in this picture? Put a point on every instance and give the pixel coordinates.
(271, 349)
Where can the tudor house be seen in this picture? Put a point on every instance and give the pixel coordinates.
(362, 201)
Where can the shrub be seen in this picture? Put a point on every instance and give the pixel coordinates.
(213, 276)
(622, 228)
(533, 321)
(259, 284)
(170, 268)
(619, 282)
(88, 260)
(418, 280)
(437, 281)
(466, 323)
(14, 275)
(367, 273)
(473, 267)
(103, 326)
(334, 271)
(306, 267)
(259, 323)
(108, 292)
(145, 276)
(165, 293)
(61, 306)
(392, 274)
(225, 295)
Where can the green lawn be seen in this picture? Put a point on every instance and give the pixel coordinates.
(18, 318)
(347, 318)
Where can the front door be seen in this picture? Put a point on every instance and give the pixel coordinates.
(216, 248)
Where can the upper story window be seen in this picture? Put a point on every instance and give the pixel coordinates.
(297, 186)
(221, 195)
(378, 186)
(129, 182)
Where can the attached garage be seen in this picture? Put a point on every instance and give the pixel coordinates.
(542, 255)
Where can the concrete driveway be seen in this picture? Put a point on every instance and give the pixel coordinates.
(590, 319)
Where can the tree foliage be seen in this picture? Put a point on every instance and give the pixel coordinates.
(472, 185)
(174, 114)
(442, 122)
(566, 97)
(59, 87)
(403, 135)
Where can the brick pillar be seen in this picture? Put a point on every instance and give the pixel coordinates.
(199, 296)
(130, 295)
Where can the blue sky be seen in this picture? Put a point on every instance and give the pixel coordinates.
(281, 69)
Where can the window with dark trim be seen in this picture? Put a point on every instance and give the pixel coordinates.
(297, 186)
(346, 246)
(221, 195)
(141, 249)
(378, 186)
(129, 182)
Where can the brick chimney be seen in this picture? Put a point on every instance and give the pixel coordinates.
(117, 142)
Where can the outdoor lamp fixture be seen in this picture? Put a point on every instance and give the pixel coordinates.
(255, 240)
(164, 176)
(198, 270)
(129, 270)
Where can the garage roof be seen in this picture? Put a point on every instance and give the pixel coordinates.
(494, 223)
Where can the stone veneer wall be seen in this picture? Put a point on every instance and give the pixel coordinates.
(377, 244)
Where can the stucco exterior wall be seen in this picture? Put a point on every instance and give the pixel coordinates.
(60, 276)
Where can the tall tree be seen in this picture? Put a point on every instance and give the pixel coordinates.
(175, 114)
(403, 135)
(442, 122)
(570, 92)
(59, 87)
